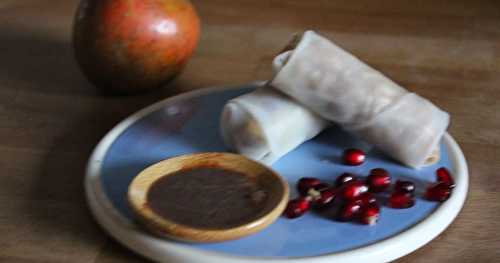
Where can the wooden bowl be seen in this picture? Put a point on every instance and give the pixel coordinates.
(272, 189)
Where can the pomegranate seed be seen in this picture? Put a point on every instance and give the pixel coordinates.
(404, 186)
(401, 200)
(378, 180)
(325, 199)
(443, 175)
(296, 207)
(369, 215)
(367, 198)
(353, 190)
(344, 178)
(349, 210)
(306, 183)
(322, 186)
(353, 157)
(438, 192)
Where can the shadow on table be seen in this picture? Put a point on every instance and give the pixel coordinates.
(44, 64)
(47, 65)
(44, 69)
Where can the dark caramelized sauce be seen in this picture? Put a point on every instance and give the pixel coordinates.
(207, 197)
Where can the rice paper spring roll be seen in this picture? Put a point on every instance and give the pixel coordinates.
(341, 88)
(265, 124)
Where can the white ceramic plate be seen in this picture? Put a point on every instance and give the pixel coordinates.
(170, 127)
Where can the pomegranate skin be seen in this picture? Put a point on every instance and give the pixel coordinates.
(131, 46)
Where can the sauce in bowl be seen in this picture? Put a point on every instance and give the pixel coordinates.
(207, 197)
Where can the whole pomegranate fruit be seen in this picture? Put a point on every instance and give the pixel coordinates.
(130, 46)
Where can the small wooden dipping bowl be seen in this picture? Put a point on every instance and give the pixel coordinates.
(207, 197)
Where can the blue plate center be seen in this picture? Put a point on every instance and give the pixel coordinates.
(192, 124)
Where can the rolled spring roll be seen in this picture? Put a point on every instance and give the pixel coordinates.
(341, 88)
(265, 124)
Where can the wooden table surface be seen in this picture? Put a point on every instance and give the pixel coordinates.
(51, 117)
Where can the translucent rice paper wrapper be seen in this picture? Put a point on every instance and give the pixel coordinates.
(339, 87)
(264, 125)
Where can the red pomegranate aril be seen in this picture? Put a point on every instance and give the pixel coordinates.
(367, 198)
(349, 210)
(325, 199)
(297, 207)
(353, 157)
(438, 192)
(369, 214)
(322, 186)
(306, 183)
(353, 190)
(344, 178)
(378, 180)
(404, 186)
(443, 175)
(401, 200)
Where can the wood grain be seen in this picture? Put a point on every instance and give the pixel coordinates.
(51, 118)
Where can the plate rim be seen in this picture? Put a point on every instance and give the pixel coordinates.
(160, 250)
